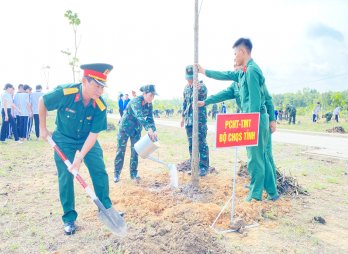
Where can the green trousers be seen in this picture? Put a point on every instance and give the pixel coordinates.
(269, 153)
(202, 145)
(96, 167)
(259, 165)
(122, 139)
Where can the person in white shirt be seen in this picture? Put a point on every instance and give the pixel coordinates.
(35, 106)
(316, 112)
(25, 113)
(16, 102)
(336, 113)
(6, 113)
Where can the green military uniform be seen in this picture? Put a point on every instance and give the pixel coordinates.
(270, 110)
(137, 115)
(232, 92)
(292, 114)
(252, 98)
(74, 122)
(287, 111)
(214, 111)
(187, 114)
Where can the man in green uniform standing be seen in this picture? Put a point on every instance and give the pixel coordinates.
(252, 97)
(232, 92)
(81, 115)
(138, 114)
(187, 120)
(272, 127)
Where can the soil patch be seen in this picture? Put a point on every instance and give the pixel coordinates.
(165, 220)
(185, 166)
(286, 185)
(336, 129)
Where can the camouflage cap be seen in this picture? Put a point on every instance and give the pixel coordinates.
(189, 72)
(149, 89)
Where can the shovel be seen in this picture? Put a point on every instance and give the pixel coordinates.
(110, 217)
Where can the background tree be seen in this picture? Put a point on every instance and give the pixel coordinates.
(337, 99)
(74, 21)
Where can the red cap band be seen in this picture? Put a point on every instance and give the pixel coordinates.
(95, 74)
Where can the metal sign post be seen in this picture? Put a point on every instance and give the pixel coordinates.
(234, 130)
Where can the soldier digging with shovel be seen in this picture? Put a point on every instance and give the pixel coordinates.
(81, 115)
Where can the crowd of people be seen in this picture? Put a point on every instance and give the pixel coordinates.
(290, 113)
(20, 112)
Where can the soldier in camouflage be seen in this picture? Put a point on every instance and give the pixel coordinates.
(292, 114)
(187, 120)
(137, 115)
(214, 111)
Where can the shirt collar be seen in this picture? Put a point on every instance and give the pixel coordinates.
(249, 62)
(78, 97)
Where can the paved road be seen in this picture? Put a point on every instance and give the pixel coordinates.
(332, 145)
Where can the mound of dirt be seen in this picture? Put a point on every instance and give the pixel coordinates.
(286, 185)
(165, 220)
(336, 129)
(185, 166)
(243, 170)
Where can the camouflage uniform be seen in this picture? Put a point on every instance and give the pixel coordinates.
(137, 114)
(287, 111)
(214, 111)
(187, 114)
(292, 114)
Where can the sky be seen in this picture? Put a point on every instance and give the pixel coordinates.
(297, 43)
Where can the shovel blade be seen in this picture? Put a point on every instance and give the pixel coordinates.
(114, 221)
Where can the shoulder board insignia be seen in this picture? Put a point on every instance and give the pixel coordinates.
(100, 104)
(71, 90)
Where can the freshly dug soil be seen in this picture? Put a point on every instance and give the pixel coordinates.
(336, 129)
(165, 220)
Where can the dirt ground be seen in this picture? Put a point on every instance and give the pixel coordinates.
(165, 220)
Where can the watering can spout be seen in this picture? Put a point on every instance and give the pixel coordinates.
(145, 147)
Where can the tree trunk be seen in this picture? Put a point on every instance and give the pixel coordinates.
(195, 152)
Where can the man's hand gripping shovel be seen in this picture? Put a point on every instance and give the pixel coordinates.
(110, 217)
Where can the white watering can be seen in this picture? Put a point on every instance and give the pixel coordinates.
(145, 147)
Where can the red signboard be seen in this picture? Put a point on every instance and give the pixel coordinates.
(237, 130)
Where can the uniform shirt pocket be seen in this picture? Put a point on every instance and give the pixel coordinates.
(87, 124)
(69, 114)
